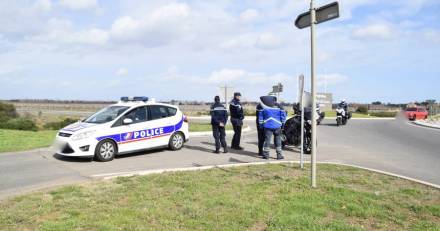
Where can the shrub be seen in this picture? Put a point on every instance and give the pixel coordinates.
(7, 111)
(59, 124)
(384, 114)
(19, 124)
(362, 110)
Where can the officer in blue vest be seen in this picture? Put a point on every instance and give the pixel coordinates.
(219, 118)
(271, 118)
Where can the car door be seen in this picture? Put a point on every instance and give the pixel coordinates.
(159, 116)
(133, 136)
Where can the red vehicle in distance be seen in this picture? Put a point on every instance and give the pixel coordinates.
(415, 113)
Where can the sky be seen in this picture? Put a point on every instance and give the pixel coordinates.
(101, 50)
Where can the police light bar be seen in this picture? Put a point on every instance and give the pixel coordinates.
(136, 98)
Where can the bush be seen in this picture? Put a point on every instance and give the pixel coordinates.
(60, 124)
(7, 112)
(362, 110)
(19, 124)
(384, 114)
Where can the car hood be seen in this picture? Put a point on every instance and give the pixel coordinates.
(80, 127)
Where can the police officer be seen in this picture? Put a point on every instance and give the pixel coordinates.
(260, 130)
(272, 118)
(343, 104)
(237, 116)
(219, 118)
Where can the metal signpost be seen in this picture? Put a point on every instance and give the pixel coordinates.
(301, 107)
(311, 18)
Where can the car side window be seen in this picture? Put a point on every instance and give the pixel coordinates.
(158, 112)
(138, 115)
(171, 111)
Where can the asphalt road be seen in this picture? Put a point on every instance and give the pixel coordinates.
(389, 145)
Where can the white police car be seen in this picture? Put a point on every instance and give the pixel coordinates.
(130, 125)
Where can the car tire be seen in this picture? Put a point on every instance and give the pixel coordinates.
(106, 150)
(176, 141)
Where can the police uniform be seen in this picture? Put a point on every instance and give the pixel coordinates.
(260, 130)
(237, 116)
(219, 118)
(271, 118)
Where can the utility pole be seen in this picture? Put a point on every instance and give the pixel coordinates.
(226, 88)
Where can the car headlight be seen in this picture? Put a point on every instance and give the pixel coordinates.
(83, 135)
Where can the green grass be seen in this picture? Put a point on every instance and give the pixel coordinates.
(204, 127)
(269, 197)
(15, 140)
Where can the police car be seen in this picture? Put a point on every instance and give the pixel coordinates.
(132, 124)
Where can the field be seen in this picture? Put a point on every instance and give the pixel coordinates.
(203, 127)
(269, 197)
(14, 140)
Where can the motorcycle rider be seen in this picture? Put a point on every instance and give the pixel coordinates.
(237, 116)
(271, 118)
(219, 118)
(343, 104)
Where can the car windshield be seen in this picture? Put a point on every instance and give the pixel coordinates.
(411, 109)
(106, 115)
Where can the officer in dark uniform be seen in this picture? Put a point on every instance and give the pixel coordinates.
(260, 130)
(237, 116)
(219, 118)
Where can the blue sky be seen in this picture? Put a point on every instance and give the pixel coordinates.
(100, 50)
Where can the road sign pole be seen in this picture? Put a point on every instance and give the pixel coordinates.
(301, 155)
(312, 64)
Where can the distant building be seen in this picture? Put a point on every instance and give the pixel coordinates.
(325, 101)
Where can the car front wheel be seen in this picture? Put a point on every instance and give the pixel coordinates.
(105, 150)
(176, 141)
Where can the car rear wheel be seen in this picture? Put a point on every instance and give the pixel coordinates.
(105, 150)
(176, 141)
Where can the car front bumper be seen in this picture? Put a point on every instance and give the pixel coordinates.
(66, 147)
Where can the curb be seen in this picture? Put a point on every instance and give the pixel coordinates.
(425, 124)
(109, 176)
(209, 133)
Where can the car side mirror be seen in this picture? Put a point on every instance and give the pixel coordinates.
(127, 121)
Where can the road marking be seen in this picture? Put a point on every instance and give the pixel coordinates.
(109, 176)
(421, 126)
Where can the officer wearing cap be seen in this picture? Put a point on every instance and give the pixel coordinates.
(271, 118)
(237, 116)
(219, 118)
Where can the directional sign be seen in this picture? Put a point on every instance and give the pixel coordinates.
(323, 14)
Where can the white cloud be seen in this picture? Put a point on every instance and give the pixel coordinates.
(159, 27)
(332, 79)
(249, 15)
(44, 5)
(240, 76)
(79, 4)
(92, 36)
(433, 36)
(374, 31)
(269, 41)
(121, 71)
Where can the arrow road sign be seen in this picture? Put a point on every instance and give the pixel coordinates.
(323, 14)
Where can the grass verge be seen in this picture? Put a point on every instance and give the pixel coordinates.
(269, 197)
(15, 140)
(204, 127)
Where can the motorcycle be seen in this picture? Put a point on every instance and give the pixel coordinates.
(291, 132)
(342, 116)
(320, 117)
